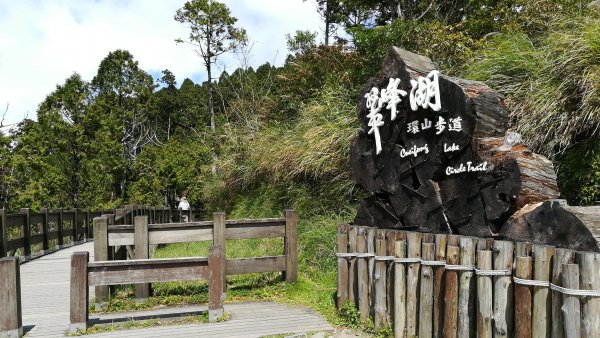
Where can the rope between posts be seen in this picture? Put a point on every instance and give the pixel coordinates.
(492, 272)
(575, 292)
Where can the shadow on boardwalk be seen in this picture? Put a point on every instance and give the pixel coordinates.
(45, 296)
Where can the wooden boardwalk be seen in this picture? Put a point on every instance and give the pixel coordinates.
(45, 297)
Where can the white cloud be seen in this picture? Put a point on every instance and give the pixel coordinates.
(44, 42)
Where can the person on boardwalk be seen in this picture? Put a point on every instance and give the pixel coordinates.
(184, 205)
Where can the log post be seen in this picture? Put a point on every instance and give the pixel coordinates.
(342, 248)
(438, 285)
(523, 298)
(290, 245)
(451, 293)
(426, 296)
(503, 290)
(11, 324)
(400, 291)
(3, 237)
(412, 283)
(484, 295)
(371, 242)
(381, 319)
(26, 233)
(140, 242)
(79, 291)
(466, 289)
(101, 254)
(362, 276)
(572, 308)
(352, 266)
(75, 226)
(562, 257)
(542, 306)
(216, 280)
(589, 279)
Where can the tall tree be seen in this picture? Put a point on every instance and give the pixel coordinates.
(212, 33)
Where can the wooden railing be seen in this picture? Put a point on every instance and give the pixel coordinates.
(453, 286)
(85, 274)
(31, 234)
(138, 237)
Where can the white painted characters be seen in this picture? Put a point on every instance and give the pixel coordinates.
(468, 168)
(375, 101)
(425, 92)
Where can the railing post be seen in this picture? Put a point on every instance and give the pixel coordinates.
(88, 225)
(216, 278)
(45, 238)
(26, 233)
(291, 246)
(3, 240)
(11, 324)
(75, 226)
(59, 228)
(79, 291)
(101, 254)
(140, 242)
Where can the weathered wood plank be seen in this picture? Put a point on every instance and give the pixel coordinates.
(542, 306)
(412, 283)
(79, 291)
(147, 271)
(503, 290)
(216, 279)
(561, 258)
(426, 296)
(362, 276)
(466, 289)
(523, 298)
(11, 324)
(291, 246)
(101, 253)
(438, 286)
(380, 282)
(589, 279)
(342, 247)
(252, 231)
(142, 291)
(352, 268)
(572, 307)
(400, 291)
(253, 265)
(484, 295)
(451, 293)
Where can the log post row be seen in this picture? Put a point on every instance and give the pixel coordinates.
(342, 247)
(10, 298)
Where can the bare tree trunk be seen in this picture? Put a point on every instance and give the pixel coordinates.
(327, 23)
(213, 124)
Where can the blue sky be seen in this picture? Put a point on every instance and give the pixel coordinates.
(44, 42)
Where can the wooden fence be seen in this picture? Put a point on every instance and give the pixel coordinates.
(437, 285)
(85, 274)
(31, 234)
(137, 238)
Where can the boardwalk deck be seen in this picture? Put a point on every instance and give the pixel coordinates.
(45, 292)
